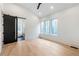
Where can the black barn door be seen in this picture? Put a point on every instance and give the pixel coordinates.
(9, 29)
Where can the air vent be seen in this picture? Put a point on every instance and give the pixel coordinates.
(73, 47)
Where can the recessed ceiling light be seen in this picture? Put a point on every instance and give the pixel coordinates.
(40, 13)
(51, 7)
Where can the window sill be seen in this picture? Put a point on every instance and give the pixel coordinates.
(48, 34)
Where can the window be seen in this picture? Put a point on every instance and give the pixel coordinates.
(49, 26)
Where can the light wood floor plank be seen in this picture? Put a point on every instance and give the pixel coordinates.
(38, 47)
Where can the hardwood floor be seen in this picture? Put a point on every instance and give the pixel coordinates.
(38, 47)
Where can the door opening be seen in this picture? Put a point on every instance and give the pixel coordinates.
(13, 29)
(21, 27)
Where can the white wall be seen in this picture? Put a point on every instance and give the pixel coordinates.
(1, 29)
(31, 23)
(34, 33)
(68, 27)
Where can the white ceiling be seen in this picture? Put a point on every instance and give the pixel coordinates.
(45, 9)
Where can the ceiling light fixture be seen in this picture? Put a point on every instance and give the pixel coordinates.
(51, 7)
(40, 13)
